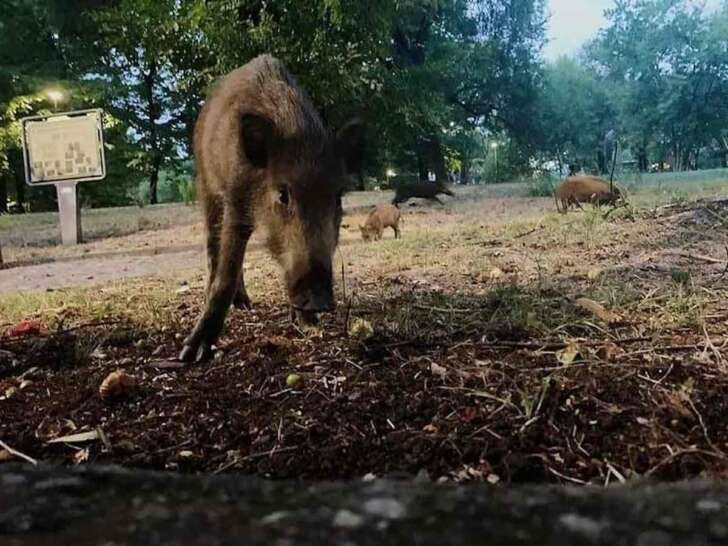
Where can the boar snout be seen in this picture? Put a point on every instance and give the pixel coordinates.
(313, 292)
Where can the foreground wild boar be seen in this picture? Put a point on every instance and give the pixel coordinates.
(265, 161)
(380, 217)
(423, 190)
(584, 189)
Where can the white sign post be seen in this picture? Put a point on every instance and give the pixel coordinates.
(63, 150)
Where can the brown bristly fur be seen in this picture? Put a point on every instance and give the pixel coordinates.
(380, 217)
(584, 189)
(266, 162)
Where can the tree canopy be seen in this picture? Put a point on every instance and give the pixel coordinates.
(439, 83)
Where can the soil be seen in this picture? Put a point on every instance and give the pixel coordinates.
(416, 374)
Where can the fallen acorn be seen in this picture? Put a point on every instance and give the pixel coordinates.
(117, 384)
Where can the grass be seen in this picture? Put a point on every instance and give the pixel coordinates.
(479, 362)
(145, 303)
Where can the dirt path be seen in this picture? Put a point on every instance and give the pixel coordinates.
(178, 249)
(89, 272)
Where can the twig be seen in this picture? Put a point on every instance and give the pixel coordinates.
(441, 309)
(252, 456)
(565, 477)
(705, 429)
(698, 257)
(716, 215)
(534, 230)
(680, 453)
(725, 270)
(17, 453)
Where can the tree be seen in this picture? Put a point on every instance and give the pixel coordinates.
(672, 72)
(576, 111)
(138, 40)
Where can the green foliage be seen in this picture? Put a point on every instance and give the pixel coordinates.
(431, 79)
(187, 190)
(668, 59)
(541, 186)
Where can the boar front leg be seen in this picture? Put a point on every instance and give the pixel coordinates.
(234, 234)
(213, 218)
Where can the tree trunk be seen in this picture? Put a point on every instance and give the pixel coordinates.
(465, 171)
(3, 194)
(642, 161)
(154, 178)
(436, 160)
(421, 162)
(20, 192)
(153, 114)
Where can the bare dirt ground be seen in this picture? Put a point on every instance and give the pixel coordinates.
(495, 341)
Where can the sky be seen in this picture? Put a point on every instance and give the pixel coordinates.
(574, 22)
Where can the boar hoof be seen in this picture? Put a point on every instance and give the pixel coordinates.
(242, 301)
(304, 318)
(190, 353)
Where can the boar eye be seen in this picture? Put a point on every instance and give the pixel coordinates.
(283, 198)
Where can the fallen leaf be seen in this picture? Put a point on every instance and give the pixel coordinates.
(593, 274)
(438, 370)
(495, 274)
(6, 456)
(598, 310)
(607, 351)
(432, 429)
(118, 383)
(25, 328)
(81, 456)
(568, 354)
(361, 329)
(81, 437)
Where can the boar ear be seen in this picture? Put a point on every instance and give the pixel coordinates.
(350, 145)
(257, 133)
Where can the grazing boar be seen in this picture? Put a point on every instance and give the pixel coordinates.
(423, 190)
(265, 162)
(380, 217)
(584, 189)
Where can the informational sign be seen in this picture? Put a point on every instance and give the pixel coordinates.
(64, 149)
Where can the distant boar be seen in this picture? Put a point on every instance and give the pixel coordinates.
(265, 161)
(380, 217)
(423, 190)
(584, 189)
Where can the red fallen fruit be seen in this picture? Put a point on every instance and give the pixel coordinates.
(25, 328)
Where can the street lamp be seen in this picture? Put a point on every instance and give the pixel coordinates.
(56, 96)
(389, 173)
(494, 147)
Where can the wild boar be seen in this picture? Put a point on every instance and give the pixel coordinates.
(584, 189)
(380, 217)
(265, 162)
(423, 190)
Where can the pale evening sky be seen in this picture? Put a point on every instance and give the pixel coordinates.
(574, 22)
